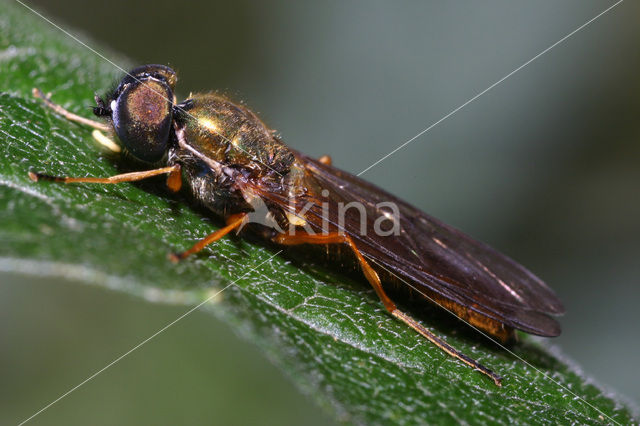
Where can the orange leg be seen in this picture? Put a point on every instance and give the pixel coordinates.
(374, 279)
(233, 222)
(174, 181)
(325, 159)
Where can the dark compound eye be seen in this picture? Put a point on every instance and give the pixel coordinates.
(142, 115)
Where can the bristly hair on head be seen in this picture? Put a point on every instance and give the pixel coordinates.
(103, 108)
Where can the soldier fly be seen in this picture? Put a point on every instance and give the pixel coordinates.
(230, 161)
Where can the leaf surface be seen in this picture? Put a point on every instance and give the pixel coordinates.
(328, 331)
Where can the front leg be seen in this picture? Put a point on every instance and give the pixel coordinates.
(98, 126)
(174, 180)
(37, 93)
(106, 141)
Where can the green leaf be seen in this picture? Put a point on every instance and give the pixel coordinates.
(328, 331)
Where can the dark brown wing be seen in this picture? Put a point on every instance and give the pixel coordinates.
(433, 256)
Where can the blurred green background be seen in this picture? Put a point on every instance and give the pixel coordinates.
(544, 167)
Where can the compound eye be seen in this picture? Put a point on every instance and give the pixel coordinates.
(142, 117)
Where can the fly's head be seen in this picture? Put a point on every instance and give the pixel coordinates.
(141, 111)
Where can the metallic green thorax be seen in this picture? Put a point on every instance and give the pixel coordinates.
(232, 135)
